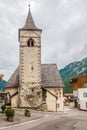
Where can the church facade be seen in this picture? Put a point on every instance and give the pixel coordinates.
(33, 84)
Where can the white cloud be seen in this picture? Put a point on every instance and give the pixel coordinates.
(64, 37)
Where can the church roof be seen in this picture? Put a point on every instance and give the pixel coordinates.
(29, 24)
(14, 80)
(50, 77)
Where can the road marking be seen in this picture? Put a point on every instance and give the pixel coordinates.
(28, 122)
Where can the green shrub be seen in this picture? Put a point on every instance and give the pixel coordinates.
(10, 112)
(3, 107)
(27, 110)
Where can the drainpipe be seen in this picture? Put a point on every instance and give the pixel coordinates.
(56, 103)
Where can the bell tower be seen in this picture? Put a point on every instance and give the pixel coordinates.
(30, 92)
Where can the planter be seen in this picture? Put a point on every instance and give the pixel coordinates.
(28, 114)
(10, 114)
(10, 119)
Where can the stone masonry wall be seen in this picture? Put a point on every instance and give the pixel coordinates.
(30, 70)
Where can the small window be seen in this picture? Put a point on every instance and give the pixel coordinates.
(85, 85)
(32, 68)
(85, 94)
(30, 42)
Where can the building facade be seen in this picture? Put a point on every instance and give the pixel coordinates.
(33, 84)
(82, 98)
(79, 84)
(30, 64)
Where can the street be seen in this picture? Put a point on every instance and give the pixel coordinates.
(69, 120)
(75, 120)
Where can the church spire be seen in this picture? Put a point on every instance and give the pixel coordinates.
(29, 24)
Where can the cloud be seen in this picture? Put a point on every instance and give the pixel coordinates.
(64, 36)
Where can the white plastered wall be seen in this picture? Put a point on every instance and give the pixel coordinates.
(14, 100)
(53, 103)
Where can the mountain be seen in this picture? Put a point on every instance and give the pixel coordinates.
(2, 84)
(72, 70)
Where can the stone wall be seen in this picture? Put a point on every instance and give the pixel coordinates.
(30, 93)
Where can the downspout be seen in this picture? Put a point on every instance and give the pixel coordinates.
(56, 103)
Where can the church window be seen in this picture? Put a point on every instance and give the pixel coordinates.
(32, 68)
(85, 94)
(32, 89)
(30, 42)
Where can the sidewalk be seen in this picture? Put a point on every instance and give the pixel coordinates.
(19, 117)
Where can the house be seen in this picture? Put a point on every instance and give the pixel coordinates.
(68, 99)
(79, 85)
(82, 98)
(33, 84)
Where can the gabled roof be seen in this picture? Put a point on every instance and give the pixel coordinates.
(50, 77)
(14, 80)
(29, 24)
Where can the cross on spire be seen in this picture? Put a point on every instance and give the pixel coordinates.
(29, 5)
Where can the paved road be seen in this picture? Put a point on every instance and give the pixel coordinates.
(71, 120)
(75, 120)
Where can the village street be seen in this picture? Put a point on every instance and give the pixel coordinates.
(71, 119)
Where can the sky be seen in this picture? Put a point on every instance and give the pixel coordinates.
(64, 35)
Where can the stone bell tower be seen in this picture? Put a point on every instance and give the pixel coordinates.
(30, 92)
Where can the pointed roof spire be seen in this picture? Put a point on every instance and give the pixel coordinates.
(29, 24)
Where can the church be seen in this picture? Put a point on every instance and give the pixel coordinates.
(34, 85)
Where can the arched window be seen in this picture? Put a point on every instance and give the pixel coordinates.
(30, 42)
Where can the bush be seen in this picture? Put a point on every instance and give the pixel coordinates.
(27, 112)
(3, 107)
(10, 112)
